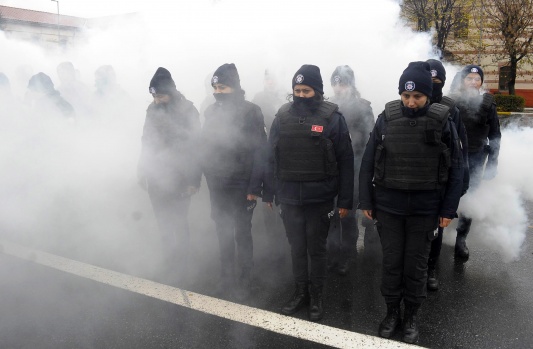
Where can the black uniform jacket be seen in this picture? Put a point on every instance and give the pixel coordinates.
(169, 141)
(233, 126)
(301, 193)
(455, 117)
(443, 202)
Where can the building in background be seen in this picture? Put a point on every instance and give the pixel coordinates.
(470, 32)
(48, 30)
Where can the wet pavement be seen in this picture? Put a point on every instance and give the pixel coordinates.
(524, 119)
(104, 284)
(483, 303)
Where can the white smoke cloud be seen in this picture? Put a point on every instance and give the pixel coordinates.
(76, 183)
(500, 221)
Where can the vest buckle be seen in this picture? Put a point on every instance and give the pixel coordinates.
(301, 120)
(412, 123)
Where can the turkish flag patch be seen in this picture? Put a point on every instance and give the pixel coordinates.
(317, 128)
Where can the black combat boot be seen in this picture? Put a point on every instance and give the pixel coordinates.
(463, 227)
(226, 282)
(461, 250)
(243, 289)
(342, 270)
(392, 321)
(433, 281)
(316, 310)
(299, 299)
(410, 325)
(343, 267)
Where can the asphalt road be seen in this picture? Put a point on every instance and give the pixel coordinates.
(483, 303)
(81, 267)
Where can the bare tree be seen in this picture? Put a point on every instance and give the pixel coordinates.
(442, 15)
(510, 29)
(447, 15)
(419, 12)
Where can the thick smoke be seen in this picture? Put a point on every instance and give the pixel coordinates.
(499, 218)
(71, 185)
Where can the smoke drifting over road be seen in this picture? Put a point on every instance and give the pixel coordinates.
(71, 186)
(500, 220)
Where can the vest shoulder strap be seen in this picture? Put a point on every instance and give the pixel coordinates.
(449, 102)
(327, 109)
(393, 110)
(284, 108)
(247, 107)
(438, 112)
(487, 101)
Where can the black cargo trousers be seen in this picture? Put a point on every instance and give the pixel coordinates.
(232, 214)
(307, 229)
(406, 242)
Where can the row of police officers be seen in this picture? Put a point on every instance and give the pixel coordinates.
(409, 177)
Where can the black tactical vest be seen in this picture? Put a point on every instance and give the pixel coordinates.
(412, 155)
(475, 118)
(449, 102)
(302, 153)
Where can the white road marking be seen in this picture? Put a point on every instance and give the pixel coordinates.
(267, 320)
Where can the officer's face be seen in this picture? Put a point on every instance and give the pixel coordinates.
(472, 81)
(160, 98)
(303, 91)
(270, 84)
(414, 99)
(221, 88)
(341, 90)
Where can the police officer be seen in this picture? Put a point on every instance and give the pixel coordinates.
(270, 99)
(410, 182)
(167, 168)
(43, 98)
(343, 235)
(233, 142)
(480, 117)
(438, 76)
(312, 163)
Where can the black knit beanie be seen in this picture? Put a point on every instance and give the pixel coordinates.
(416, 77)
(343, 74)
(41, 82)
(472, 68)
(162, 82)
(437, 70)
(227, 75)
(309, 75)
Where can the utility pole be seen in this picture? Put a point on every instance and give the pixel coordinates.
(58, 35)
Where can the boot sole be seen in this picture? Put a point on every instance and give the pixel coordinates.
(389, 334)
(297, 309)
(386, 334)
(432, 288)
(462, 256)
(409, 341)
(315, 319)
